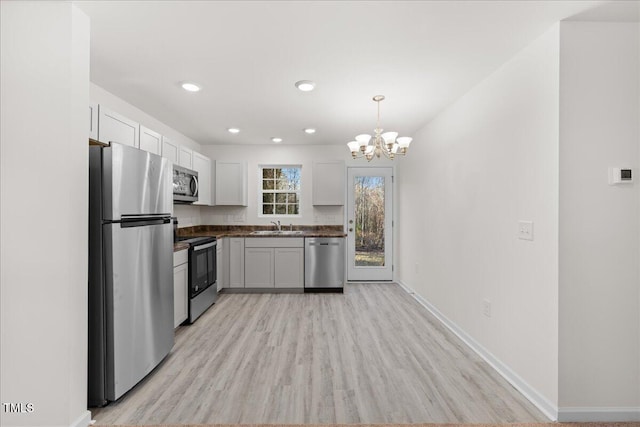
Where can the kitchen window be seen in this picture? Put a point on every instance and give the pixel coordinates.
(280, 190)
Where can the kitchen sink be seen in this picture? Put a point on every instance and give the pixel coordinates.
(277, 233)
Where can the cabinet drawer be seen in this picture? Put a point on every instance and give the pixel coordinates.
(274, 242)
(180, 257)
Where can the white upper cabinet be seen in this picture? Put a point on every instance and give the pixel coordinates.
(328, 183)
(231, 183)
(112, 127)
(150, 141)
(169, 150)
(93, 120)
(202, 165)
(185, 157)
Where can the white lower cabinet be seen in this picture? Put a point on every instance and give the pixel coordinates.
(180, 290)
(289, 267)
(236, 262)
(258, 268)
(219, 263)
(274, 262)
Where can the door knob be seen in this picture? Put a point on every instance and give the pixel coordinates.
(351, 229)
(350, 221)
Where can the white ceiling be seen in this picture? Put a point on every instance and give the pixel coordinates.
(247, 55)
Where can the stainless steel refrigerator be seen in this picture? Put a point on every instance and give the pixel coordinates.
(130, 268)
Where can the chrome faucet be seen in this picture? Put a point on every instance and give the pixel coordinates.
(277, 224)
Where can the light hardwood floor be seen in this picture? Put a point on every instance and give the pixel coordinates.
(370, 355)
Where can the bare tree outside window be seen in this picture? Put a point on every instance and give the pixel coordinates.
(280, 190)
(369, 215)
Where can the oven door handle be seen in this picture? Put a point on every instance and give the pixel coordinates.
(207, 246)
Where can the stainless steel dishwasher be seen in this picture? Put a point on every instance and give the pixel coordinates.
(324, 264)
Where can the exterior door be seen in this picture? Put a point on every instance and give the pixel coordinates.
(369, 224)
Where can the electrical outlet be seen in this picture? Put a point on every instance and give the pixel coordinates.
(525, 230)
(486, 307)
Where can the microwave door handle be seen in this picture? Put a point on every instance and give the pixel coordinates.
(194, 182)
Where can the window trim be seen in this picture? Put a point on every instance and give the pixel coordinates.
(261, 190)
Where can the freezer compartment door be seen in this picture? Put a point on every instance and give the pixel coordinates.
(135, 182)
(139, 301)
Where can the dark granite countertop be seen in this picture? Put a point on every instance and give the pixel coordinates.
(180, 246)
(220, 231)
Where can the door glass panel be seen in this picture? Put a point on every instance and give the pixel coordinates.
(369, 221)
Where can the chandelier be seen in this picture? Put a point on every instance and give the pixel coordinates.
(386, 144)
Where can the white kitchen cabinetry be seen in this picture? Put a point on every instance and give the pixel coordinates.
(180, 283)
(225, 262)
(93, 120)
(329, 184)
(150, 141)
(274, 262)
(185, 157)
(289, 267)
(219, 263)
(258, 268)
(236, 262)
(231, 183)
(169, 150)
(113, 127)
(202, 165)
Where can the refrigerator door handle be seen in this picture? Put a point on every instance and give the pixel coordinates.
(144, 221)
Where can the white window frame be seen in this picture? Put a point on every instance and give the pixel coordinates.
(261, 191)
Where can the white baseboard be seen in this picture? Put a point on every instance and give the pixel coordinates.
(590, 414)
(83, 420)
(541, 402)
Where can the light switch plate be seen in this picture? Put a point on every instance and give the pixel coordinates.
(525, 230)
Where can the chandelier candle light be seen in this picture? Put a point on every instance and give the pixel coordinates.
(381, 143)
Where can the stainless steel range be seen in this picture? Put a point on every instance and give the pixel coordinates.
(203, 291)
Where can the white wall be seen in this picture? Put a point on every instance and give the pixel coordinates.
(43, 222)
(256, 155)
(599, 224)
(486, 162)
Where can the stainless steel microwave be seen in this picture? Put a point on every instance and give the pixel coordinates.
(185, 185)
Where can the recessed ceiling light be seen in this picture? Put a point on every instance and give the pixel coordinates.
(276, 139)
(310, 131)
(234, 130)
(191, 87)
(305, 85)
